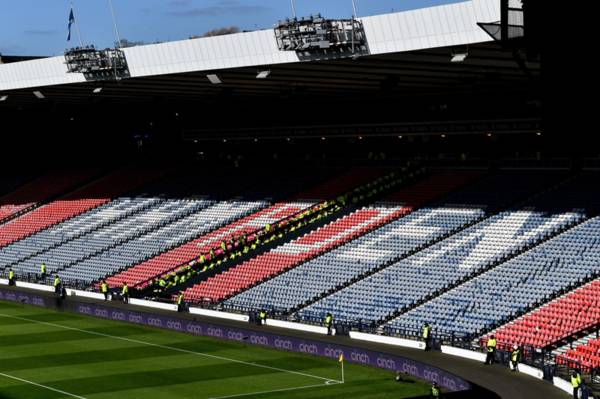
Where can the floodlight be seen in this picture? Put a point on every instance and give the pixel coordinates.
(263, 74)
(214, 79)
(39, 94)
(458, 57)
(3, 98)
(97, 90)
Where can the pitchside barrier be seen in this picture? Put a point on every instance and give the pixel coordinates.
(448, 381)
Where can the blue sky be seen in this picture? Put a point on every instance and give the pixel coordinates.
(39, 27)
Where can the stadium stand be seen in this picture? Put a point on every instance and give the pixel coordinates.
(556, 321)
(292, 253)
(127, 230)
(513, 287)
(534, 277)
(437, 267)
(42, 188)
(585, 355)
(141, 274)
(155, 215)
(91, 196)
(36, 244)
(362, 255)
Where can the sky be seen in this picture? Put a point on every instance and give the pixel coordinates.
(39, 27)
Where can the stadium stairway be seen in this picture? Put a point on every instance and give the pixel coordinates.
(358, 258)
(140, 275)
(407, 283)
(92, 195)
(316, 242)
(43, 190)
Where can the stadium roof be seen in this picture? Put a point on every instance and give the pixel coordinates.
(487, 68)
(237, 54)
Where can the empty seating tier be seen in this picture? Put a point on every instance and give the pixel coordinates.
(141, 274)
(585, 356)
(95, 194)
(412, 279)
(291, 254)
(565, 316)
(512, 287)
(172, 228)
(40, 189)
(341, 265)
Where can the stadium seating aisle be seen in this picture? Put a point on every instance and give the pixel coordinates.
(140, 275)
(91, 196)
(40, 189)
(555, 321)
(443, 264)
(341, 265)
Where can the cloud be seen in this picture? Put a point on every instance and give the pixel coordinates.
(41, 32)
(222, 7)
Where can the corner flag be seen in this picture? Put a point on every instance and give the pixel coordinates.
(71, 21)
(341, 359)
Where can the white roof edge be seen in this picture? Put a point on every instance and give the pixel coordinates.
(439, 26)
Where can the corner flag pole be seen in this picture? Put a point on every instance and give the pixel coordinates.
(341, 360)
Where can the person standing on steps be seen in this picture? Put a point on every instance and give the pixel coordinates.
(11, 277)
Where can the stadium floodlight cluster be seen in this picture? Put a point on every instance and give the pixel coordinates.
(316, 35)
(97, 64)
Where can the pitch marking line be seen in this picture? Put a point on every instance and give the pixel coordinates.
(331, 382)
(41, 386)
(167, 347)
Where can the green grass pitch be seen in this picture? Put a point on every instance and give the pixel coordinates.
(48, 354)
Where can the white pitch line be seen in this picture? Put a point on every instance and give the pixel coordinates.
(41, 386)
(167, 347)
(273, 391)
